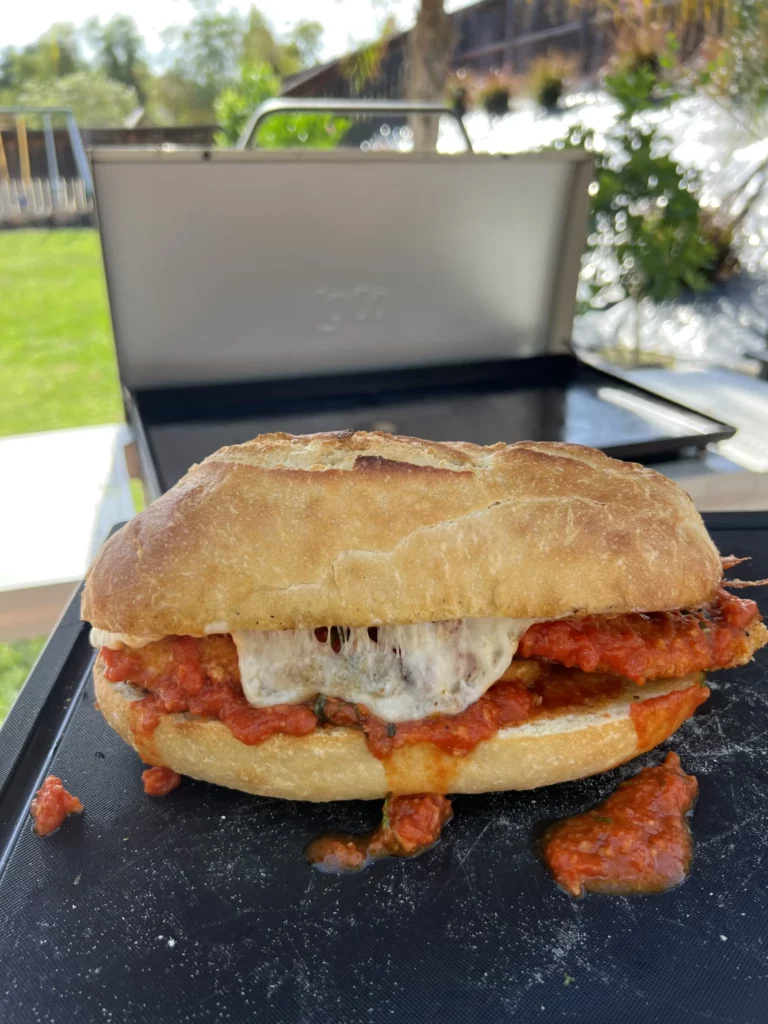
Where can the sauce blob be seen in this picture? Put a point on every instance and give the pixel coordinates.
(635, 841)
(409, 826)
(51, 805)
(160, 781)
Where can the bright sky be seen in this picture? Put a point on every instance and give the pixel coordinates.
(345, 21)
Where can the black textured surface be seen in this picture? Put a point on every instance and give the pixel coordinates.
(199, 907)
(549, 398)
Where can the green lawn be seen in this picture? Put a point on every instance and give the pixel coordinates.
(15, 662)
(57, 363)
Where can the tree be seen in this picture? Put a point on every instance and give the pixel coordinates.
(119, 50)
(260, 45)
(307, 39)
(207, 51)
(173, 99)
(54, 54)
(428, 63)
(96, 100)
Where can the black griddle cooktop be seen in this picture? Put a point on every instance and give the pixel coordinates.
(199, 907)
(545, 398)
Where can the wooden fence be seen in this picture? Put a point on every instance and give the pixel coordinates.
(35, 201)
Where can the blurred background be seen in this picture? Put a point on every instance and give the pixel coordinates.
(670, 97)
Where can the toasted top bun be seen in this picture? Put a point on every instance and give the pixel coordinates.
(360, 529)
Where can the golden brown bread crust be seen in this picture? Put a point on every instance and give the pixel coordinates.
(335, 764)
(363, 528)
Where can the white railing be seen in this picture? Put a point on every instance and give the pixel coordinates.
(22, 202)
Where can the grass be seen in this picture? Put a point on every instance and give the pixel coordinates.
(57, 362)
(16, 661)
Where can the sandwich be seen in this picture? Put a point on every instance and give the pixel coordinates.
(355, 615)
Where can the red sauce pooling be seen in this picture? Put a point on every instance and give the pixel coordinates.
(51, 805)
(649, 646)
(409, 826)
(160, 781)
(637, 840)
(658, 717)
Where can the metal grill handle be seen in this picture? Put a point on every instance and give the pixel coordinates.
(339, 106)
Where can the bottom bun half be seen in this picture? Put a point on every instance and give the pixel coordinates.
(335, 763)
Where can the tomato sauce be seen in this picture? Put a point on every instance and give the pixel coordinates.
(506, 703)
(184, 676)
(199, 676)
(160, 781)
(658, 717)
(179, 678)
(650, 646)
(409, 826)
(51, 805)
(636, 841)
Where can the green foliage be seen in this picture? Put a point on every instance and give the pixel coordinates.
(643, 211)
(119, 51)
(282, 131)
(363, 65)
(748, 54)
(173, 99)
(205, 51)
(234, 105)
(300, 49)
(307, 39)
(495, 100)
(547, 78)
(95, 99)
(16, 661)
(644, 208)
(312, 131)
(259, 45)
(735, 68)
(211, 51)
(636, 89)
(495, 94)
(203, 59)
(55, 54)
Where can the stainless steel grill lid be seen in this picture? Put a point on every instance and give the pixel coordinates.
(223, 265)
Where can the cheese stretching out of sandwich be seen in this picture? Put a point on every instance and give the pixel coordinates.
(346, 615)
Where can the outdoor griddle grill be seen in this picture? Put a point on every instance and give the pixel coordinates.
(430, 296)
(253, 292)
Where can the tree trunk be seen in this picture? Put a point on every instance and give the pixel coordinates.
(428, 61)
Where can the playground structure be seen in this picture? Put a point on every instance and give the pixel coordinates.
(50, 199)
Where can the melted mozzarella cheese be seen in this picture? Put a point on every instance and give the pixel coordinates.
(103, 638)
(406, 673)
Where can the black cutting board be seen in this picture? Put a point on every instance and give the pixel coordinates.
(199, 907)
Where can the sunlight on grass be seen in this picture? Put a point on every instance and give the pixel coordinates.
(16, 661)
(57, 362)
